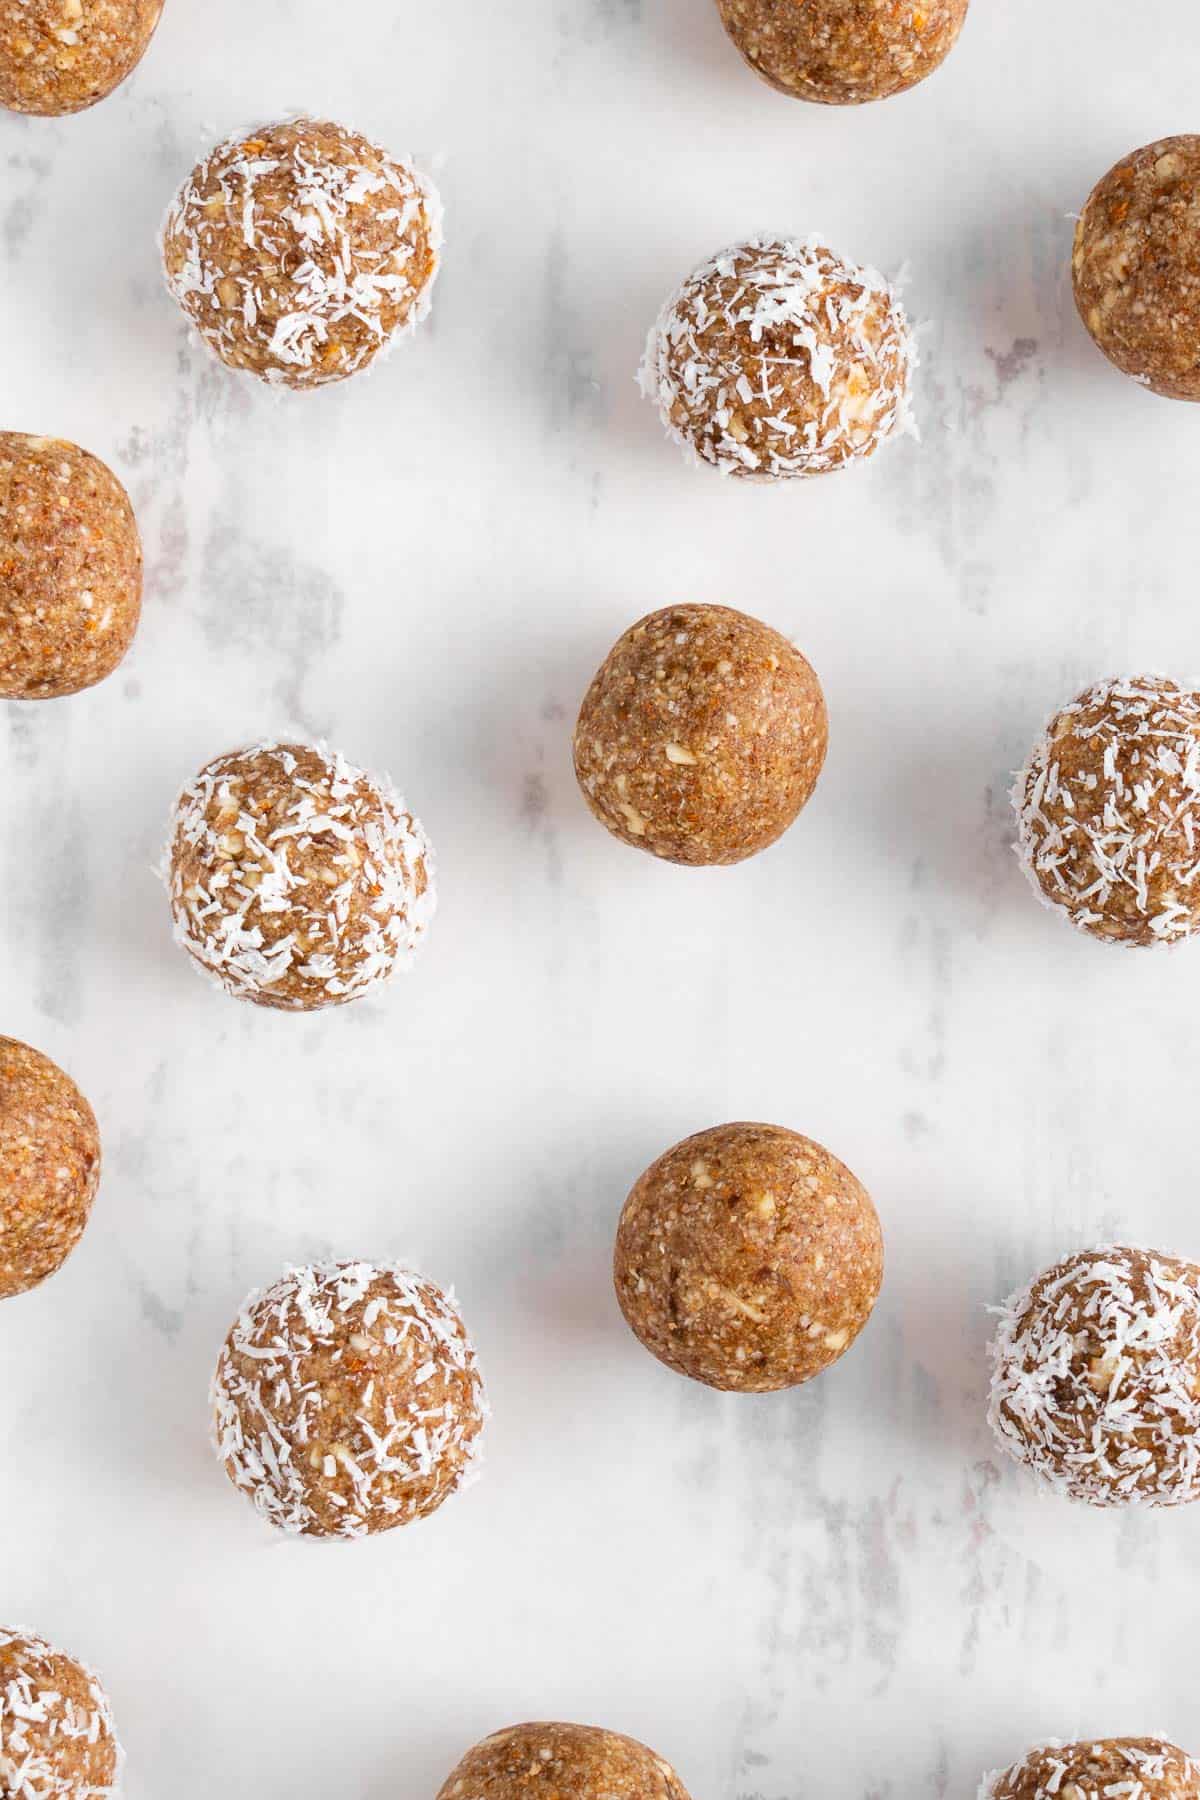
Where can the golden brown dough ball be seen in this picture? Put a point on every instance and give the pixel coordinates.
(701, 736)
(60, 56)
(561, 1762)
(843, 52)
(57, 1738)
(1143, 1768)
(748, 1257)
(70, 568)
(49, 1166)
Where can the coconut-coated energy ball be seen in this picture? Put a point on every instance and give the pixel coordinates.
(347, 1400)
(70, 568)
(1136, 266)
(779, 359)
(701, 736)
(297, 881)
(1108, 811)
(561, 1762)
(60, 56)
(842, 52)
(57, 1737)
(49, 1166)
(748, 1257)
(301, 251)
(1096, 1377)
(1141, 1768)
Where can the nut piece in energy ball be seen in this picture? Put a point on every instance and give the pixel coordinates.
(296, 880)
(49, 1167)
(748, 1258)
(70, 569)
(60, 56)
(1140, 1768)
(1136, 266)
(778, 359)
(843, 52)
(302, 251)
(347, 1400)
(1108, 812)
(702, 735)
(57, 1738)
(566, 1762)
(1096, 1378)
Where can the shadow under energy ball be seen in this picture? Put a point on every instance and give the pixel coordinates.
(843, 52)
(49, 1167)
(570, 1762)
(1128, 1768)
(57, 1737)
(60, 56)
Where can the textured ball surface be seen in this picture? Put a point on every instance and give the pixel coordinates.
(1136, 266)
(562, 1762)
(70, 569)
(843, 52)
(347, 1400)
(1096, 1378)
(701, 736)
(779, 359)
(302, 251)
(1108, 811)
(1143, 1768)
(748, 1258)
(60, 56)
(57, 1738)
(296, 880)
(49, 1166)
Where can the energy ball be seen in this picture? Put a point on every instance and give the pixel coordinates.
(301, 252)
(1136, 266)
(1108, 811)
(748, 1258)
(701, 736)
(296, 880)
(57, 1738)
(49, 1167)
(347, 1400)
(70, 569)
(779, 359)
(1143, 1768)
(1096, 1378)
(842, 52)
(60, 56)
(562, 1762)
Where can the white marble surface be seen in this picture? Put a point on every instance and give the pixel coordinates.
(837, 1591)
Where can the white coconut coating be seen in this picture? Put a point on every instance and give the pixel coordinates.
(1141, 1768)
(58, 1740)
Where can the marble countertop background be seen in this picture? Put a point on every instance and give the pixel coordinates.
(834, 1591)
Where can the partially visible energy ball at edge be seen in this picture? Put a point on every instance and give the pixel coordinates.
(843, 52)
(572, 1762)
(49, 1167)
(61, 56)
(57, 1734)
(1137, 1768)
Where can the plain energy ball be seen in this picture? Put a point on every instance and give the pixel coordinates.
(1096, 1378)
(1142, 1768)
(1108, 811)
(748, 1258)
(60, 56)
(347, 1400)
(1136, 266)
(57, 1737)
(296, 880)
(842, 52)
(70, 568)
(561, 1762)
(302, 251)
(49, 1167)
(779, 359)
(701, 736)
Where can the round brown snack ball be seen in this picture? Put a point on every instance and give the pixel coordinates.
(302, 251)
(748, 1258)
(57, 1738)
(1136, 266)
(296, 880)
(701, 736)
(60, 56)
(347, 1400)
(1096, 1378)
(778, 359)
(842, 52)
(1142, 1768)
(562, 1762)
(70, 568)
(1108, 811)
(49, 1167)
